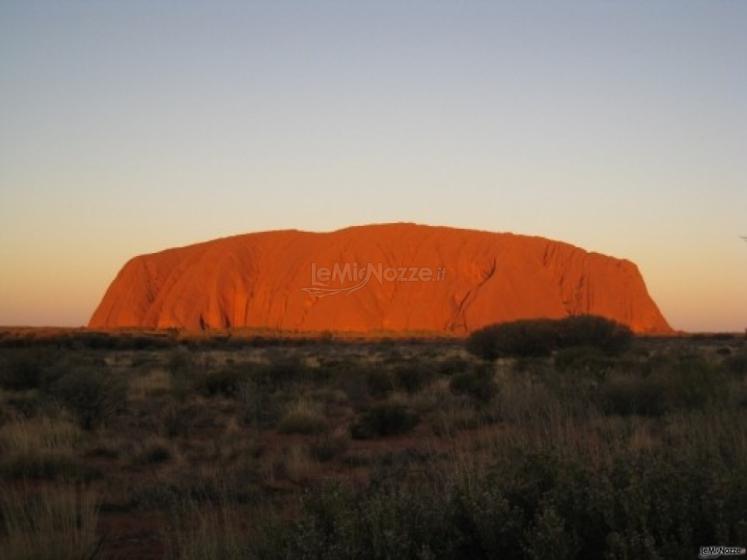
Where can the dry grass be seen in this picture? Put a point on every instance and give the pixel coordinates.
(154, 383)
(204, 533)
(225, 453)
(293, 463)
(303, 417)
(642, 438)
(298, 464)
(40, 448)
(52, 524)
(39, 435)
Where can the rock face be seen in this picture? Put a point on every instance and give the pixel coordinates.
(392, 278)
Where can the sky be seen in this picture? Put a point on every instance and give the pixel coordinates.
(129, 127)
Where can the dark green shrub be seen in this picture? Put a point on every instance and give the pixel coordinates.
(653, 364)
(154, 454)
(282, 371)
(25, 368)
(736, 364)
(481, 343)
(176, 421)
(179, 361)
(692, 382)
(329, 446)
(182, 419)
(90, 395)
(384, 419)
(541, 337)
(681, 383)
(535, 337)
(631, 394)
(226, 382)
(478, 383)
(604, 334)
(379, 382)
(548, 537)
(261, 409)
(413, 376)
(528, 505)
(26, 404)
(355, 388)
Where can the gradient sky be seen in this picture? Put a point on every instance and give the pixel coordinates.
(131, 126)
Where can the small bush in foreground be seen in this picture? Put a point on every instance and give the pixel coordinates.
(179, 361)
(384, 419)
(692, 382)
(90, 395)
(477, 383)
(303, 418)
(413, 377)
(260, 408)
(153, 453)
(737, 364)
(379, 382)
(283, 370)
(329, 446)
(24, 368)
(687, 383)
(627, 394)
(226, 382)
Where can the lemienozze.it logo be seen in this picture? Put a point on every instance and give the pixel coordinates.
(347, 278)
(721, 551)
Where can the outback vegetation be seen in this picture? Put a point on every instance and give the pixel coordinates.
(544, 439)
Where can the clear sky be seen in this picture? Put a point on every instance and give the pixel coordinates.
(131, 126)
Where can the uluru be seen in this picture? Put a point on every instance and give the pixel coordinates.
(386, 278)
